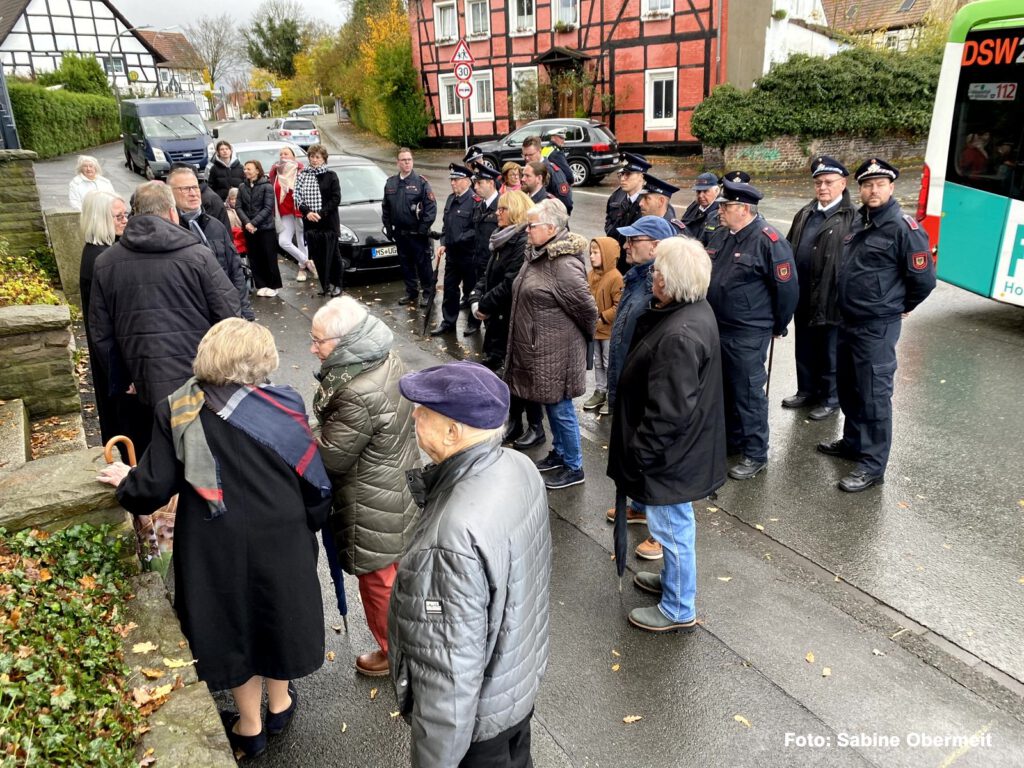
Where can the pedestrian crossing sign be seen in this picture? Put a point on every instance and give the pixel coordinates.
(462, 54)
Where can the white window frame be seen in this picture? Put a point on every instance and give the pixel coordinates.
(470, 34)
(483, 75)
(513, 21)
(515, 86)
(646, 12)
(443, 81)
(575, 23)
(447, 38)
(652, 76)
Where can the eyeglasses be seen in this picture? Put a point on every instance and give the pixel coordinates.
(318, 342)
(825, 182)
(502, 207)
(639, 239)
(533, 224)
(120, 216)
(193, 188)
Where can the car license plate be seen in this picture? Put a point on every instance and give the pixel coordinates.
(387, 250)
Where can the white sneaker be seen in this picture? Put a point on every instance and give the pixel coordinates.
(261, 291)
(311, 268)
(271, 293)
(300, 276)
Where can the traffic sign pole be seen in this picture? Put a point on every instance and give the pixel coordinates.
(463, 61)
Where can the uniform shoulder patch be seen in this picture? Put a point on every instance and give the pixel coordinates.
(564, 188)
(919, 261)
(783, 271)
(911, 221)
(430, 195)
(771, 234)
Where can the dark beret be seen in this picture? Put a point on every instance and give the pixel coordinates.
(463, 391)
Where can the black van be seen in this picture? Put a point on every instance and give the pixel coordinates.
(158, 132)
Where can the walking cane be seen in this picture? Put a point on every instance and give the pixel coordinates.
(771, 355)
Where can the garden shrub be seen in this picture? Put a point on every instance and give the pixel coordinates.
(65, 698)
(81, 74)
(22, 281)
(52, 123)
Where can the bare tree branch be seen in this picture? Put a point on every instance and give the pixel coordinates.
(215, 40)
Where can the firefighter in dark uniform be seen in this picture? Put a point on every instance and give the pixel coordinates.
(485, 221)
(408, 211)
(558, 186)
(474, 160)
(555, 156)
(623, 207)
(701, 217)
(816, 238)
(457, 247)
(886, 270)
(741, 177)
(753, 292)
(655, 200)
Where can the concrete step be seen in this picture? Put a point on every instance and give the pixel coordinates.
(15, 441)
(58, 434)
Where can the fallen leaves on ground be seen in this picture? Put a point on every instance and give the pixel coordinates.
(148, 758)
(809, 658)
(759, 527)
(394, 714)
(177, 663)
(331, 655)
(630, 719)
(877, 652)
(615, 667)
(826, 672)
(615, 653)
(344, 727)
(125, 629)
(725, 578)
(373, 694)
(741, 720)
(337, 628)
(151, 673)
(146, 647)
(712, 509)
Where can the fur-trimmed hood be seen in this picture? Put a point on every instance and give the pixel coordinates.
(564, 243)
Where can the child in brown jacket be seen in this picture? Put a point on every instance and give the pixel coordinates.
(606, 286)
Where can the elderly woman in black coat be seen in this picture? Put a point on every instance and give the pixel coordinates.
(246, 586)
(667, 446)
(256, 210)
(318, 195)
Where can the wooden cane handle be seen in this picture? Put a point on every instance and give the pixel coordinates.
(108, 449)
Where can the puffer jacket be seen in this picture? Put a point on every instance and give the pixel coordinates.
(553, 317)
(367, 445)
(155, 294)
(468, 620)
(256, 204)
(606, 286)
(223, 176)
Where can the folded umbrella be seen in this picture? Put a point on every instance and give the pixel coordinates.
(620, 534)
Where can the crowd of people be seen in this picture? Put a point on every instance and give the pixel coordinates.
(450, 543)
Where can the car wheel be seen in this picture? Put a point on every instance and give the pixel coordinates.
(580, 171)
(490, 162)
(147, 171)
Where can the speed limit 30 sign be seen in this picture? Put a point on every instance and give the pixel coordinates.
(463, 72)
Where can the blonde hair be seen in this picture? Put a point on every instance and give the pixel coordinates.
(97, 221)
(518, 203)
(236, 351)
(685, 267)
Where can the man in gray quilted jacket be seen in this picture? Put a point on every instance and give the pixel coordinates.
(468, 621)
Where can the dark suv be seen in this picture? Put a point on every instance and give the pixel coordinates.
(590, 146)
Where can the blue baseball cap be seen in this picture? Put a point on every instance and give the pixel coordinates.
(705, 182)
(463, 391)
(654, 227)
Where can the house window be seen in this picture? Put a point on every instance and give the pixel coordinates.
(451, 105)
(483, 96)
(566, 13)
(656, 8)
(112, 65)
(446, 23)
(478, 18)
(660, 102)
(524, 93)
(523, 20)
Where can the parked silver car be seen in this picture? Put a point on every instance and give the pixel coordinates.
(295, 130)
(306, 110)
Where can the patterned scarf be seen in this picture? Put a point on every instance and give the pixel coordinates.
(287, 170)
(307, 188)
(272, 416)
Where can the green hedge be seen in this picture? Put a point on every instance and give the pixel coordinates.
(52, 123)
(858, 92)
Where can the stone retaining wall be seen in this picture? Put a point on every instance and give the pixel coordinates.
(791, 153)
(36, 362)
(21, 216)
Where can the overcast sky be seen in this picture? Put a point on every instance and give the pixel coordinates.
(182, 12)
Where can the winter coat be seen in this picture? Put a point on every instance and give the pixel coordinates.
(213, 205)
(606, 287)
(220, 241)
(256, 204)
(635, 298)
(468, 619)
(819, 279)
(367, 445)
(223, 176)
(553, 318)
(667, 444)
(155, 294)
(330, 199)
(80, 186)
(493, 292)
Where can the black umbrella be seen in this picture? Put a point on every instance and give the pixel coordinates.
(620, 534)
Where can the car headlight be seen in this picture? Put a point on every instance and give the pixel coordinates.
(159, 156)
(347, 236)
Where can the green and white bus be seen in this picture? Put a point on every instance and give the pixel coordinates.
(972, 189)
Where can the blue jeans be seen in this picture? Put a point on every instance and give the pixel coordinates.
(673, 527)
(565, 433)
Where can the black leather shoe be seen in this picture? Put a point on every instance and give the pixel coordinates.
(796, 401)
(245, 747)
(425, 300)
(405, 301)
(836, 448)
(822, 412)
(442, 329)
(513, 432)
(746, 469)
(471, 330)
(277, 722)
(859, 480)
(534, 436)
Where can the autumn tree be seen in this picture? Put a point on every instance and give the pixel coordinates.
(217, 46)
(276, 35)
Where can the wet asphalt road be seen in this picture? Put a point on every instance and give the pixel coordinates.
(911, 594)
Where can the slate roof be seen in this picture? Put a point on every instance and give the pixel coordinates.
(855, 16)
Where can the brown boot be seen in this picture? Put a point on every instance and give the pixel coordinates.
(374, 664)
(649, 549)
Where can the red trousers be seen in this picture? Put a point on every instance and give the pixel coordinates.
(375, 592)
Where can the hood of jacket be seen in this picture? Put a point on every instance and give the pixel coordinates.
(261, 180)
(564, 243)
(147, 233)
(230, 163)
(609, 253)
(366, 344)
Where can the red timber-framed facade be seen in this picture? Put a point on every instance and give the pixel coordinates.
(651, 61)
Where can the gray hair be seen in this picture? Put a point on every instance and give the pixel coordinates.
(340, 316)
(550, 211)
(685, 267)
(180, 170)
(155, 198)
(84, 160)
(97, 222)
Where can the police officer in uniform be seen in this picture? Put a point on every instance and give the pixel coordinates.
(485, 221)
(623, 207)
(886, 270)
(655, 200)
(741, 177)
(701, 216)
(753, 292)
(457, 247)
(408, 211)
(555, 156)
(474, 160)
(816, 237)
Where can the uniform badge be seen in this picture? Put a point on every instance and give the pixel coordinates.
(772, 234)
(919, 261)
(564, 189)
(821, 165)
(911, 221)
(783, 272)
(430, 195)
(874, 167)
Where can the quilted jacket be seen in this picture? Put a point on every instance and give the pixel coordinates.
(468, 619)
(367, 444)
(553, 318)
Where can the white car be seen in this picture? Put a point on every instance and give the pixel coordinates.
(307, 110)
(297, 130)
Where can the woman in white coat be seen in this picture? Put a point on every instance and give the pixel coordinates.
(88, 178)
